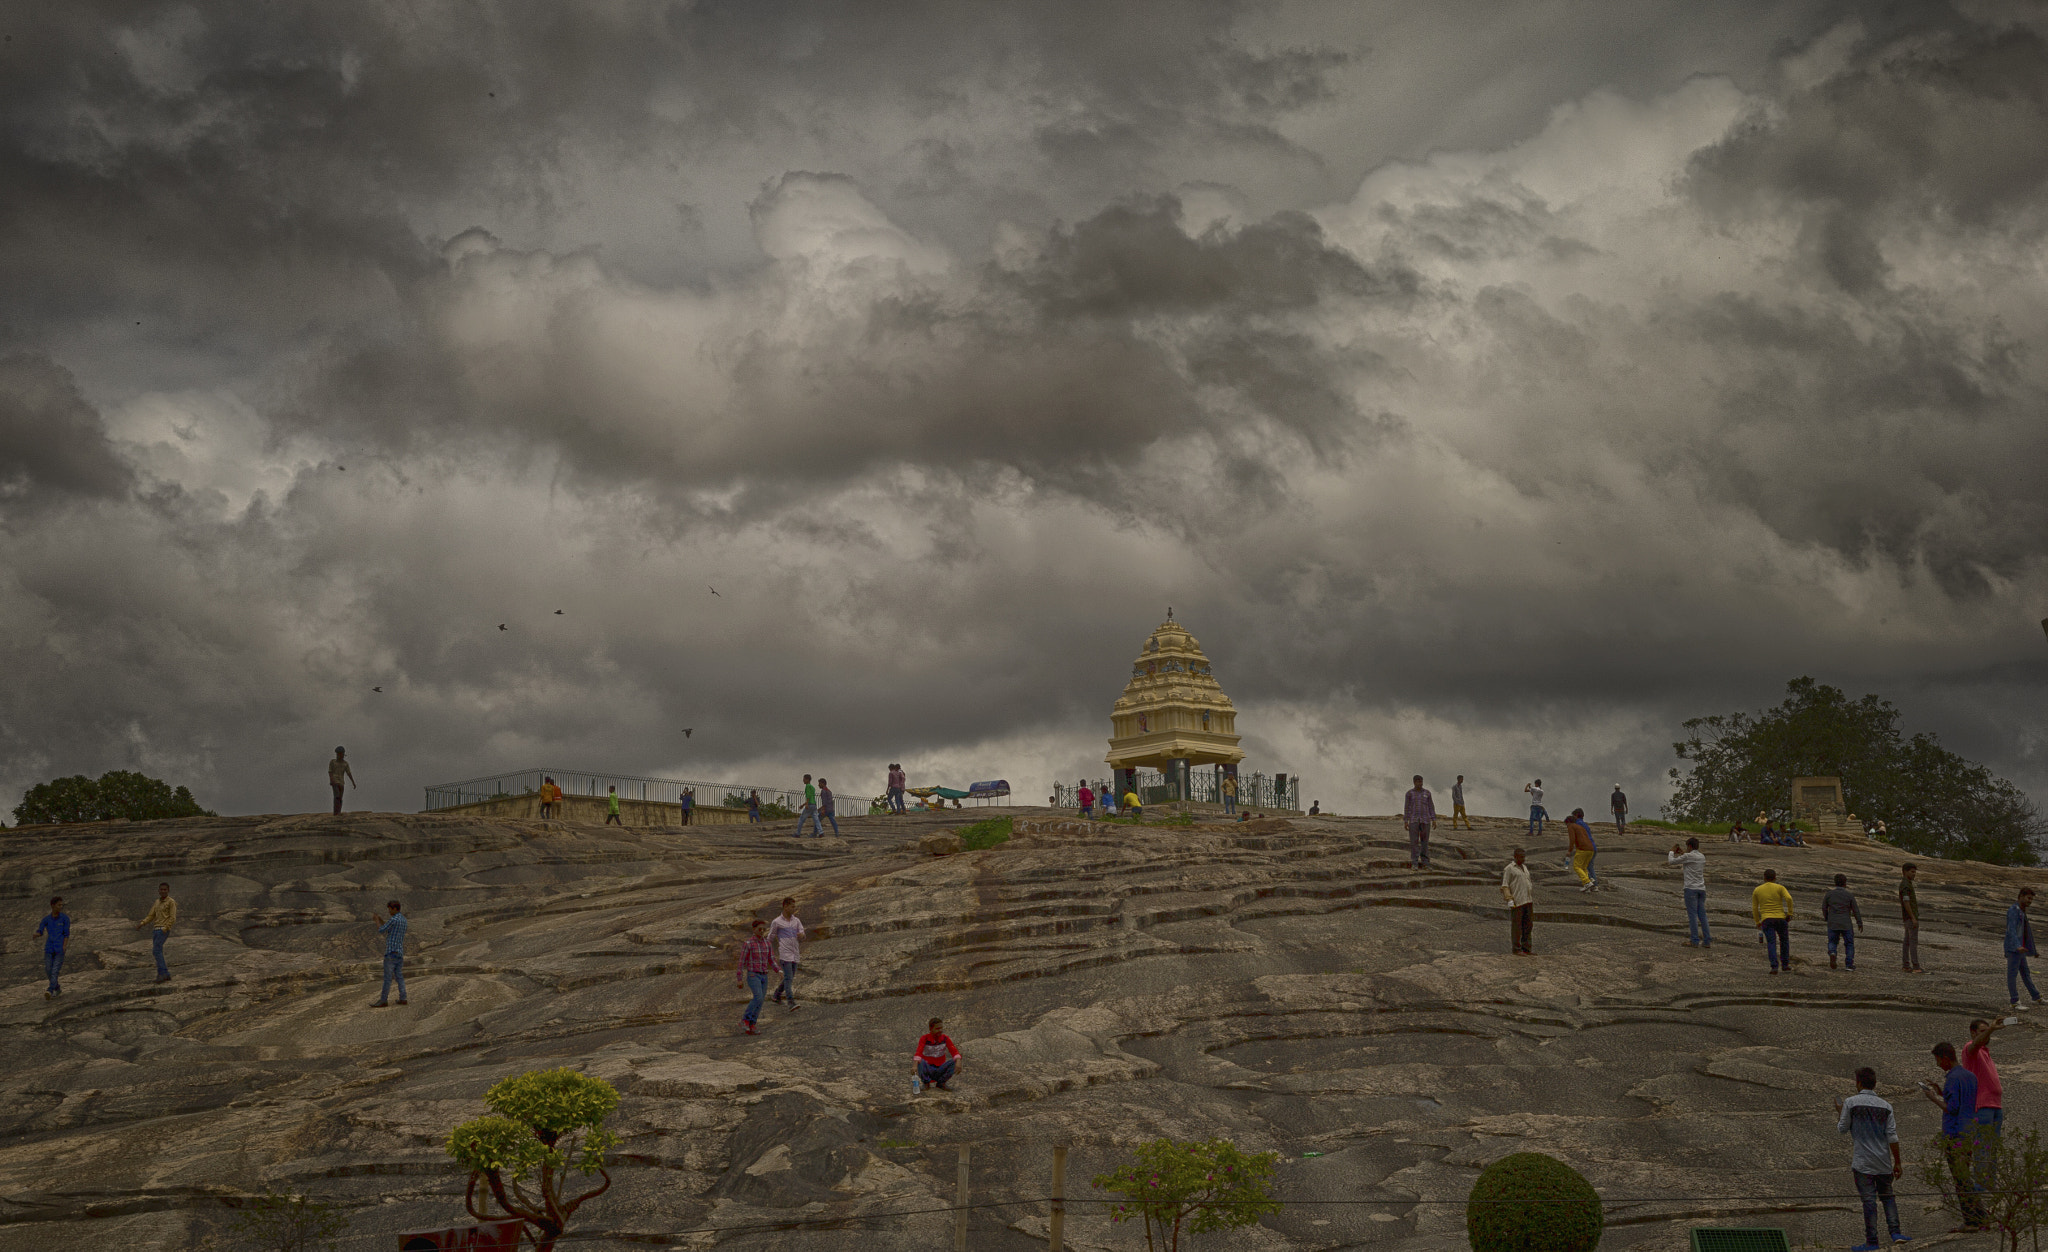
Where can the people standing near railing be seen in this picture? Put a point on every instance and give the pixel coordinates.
(1086, 798)
(611, 815)
(550, 798)
(689, 803)
(810, 810)
(898, 781)
(754, 808)
(1229, 795)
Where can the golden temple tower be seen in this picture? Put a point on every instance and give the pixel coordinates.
(1173, 714)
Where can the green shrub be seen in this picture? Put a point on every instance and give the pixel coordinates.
(1529, 1202)
(548, 1124)
(115, 794)
(984, 835)
(275, 1222)
(1193, 1187)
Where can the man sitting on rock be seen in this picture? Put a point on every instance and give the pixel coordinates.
(937, 1059)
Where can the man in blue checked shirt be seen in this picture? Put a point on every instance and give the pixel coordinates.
(393, 930)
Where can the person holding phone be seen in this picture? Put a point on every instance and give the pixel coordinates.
(1957, 1100)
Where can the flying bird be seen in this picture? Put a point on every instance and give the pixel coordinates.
(558, 612)
(714, 591)
(501, 626)
(686, 732)
(376, 688)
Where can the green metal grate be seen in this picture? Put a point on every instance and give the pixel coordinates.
(1739, 1239)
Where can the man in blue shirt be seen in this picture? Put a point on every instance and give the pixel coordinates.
(1873, 1129)
(56, 932)
(1957, 1100)
(393, 930)
(2019, 945)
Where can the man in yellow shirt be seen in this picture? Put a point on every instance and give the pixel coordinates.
(1771, 905)
(1131, 806)
(163, 914)
(550, 798)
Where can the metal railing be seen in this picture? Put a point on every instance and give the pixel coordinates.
(526, 782)
(1204, 786)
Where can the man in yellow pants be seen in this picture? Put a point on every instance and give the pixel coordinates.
(1458, 804)
(1771, 905)
(1583, 850)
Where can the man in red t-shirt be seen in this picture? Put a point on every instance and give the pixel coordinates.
(937, 1058)
(1990, 1096)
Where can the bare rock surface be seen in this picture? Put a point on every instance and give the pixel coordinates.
(1287, 983)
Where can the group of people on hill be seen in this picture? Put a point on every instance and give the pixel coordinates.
(1972, 1104)
(777, 944)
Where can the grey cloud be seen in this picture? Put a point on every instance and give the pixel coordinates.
(50, 438)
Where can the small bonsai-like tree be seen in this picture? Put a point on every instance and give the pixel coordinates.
(548, 1124)
(1529, 1202)
(1998, 1180)
(1194, 1187)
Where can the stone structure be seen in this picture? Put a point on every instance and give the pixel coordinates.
(1818, 804)
(591, 809)
(1173, 714)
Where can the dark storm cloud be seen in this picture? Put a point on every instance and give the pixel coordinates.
(951, 347)
(51, 440)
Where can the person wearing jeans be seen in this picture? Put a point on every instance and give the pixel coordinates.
(785, 935)
(756, 963)
(1419, 812)
(828, 808)
(56, 932)
(1976, 1057)
(1692, 864)
(163, 914)
(1839, 913)
(2019, 945)
(1536, 814)
(810, 810)
(936, 1056)
(1874, 1157)
(1909, 920)
(1771, 907)
(393, 930)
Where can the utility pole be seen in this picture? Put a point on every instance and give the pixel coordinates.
(1058, 1225)
(960, 1213)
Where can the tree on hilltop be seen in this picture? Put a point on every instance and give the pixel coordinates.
(1932, 801)
(115, 794)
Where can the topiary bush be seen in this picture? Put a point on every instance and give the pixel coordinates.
(1529, 1202)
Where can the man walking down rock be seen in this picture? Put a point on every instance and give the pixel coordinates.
(1458, 804)
(1839, 913)
(898, 781)
(55, 929)
(1619, 803)
(393, 929)
(1692, 865)
(756, 963)
(828, 810)
(1520, 893)
(785, 935)
(163, 914)
(337, 769)
(1771, 905)
(1873, 1128)
(810, 810)
(1419, 813)
(1909, 920)
(2019, 945)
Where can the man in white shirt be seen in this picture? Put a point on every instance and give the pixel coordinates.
(1694, 863)
(1536, 813)
(1520, 893)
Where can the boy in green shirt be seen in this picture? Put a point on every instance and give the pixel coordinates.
(611, 816)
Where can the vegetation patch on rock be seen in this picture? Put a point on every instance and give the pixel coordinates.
(1529, 1202)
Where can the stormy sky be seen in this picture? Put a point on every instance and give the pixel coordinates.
(1488, 387)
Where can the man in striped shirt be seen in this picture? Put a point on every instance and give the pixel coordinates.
(756, 963)
(1419, 813)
